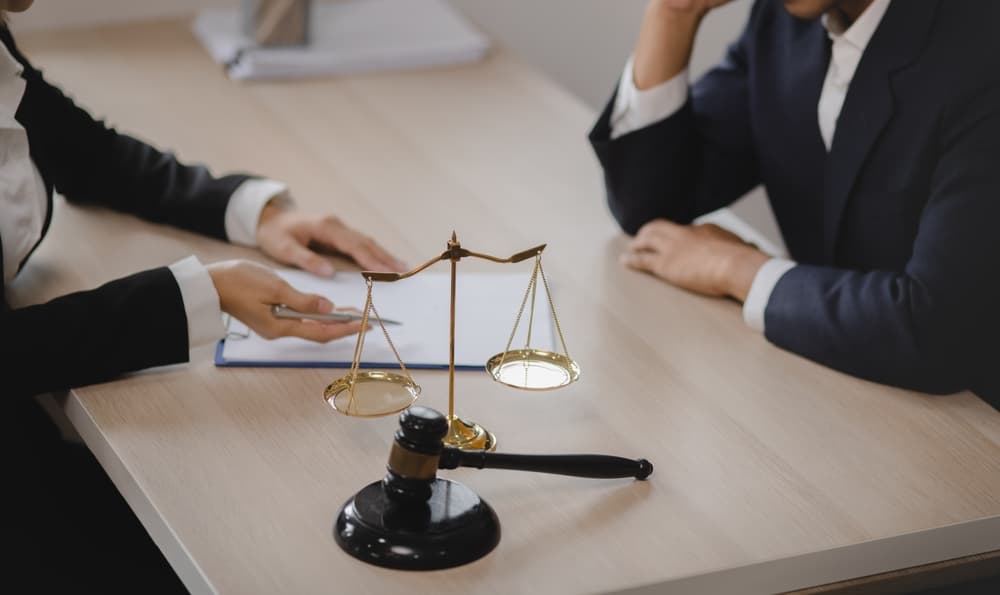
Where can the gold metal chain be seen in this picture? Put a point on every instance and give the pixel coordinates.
(520, 311)
(392, 346)
(356, 360)
(531, 312)
(552, 307)
(359, 346)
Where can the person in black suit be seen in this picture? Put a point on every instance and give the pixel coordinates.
(68, 522)
(874, 126)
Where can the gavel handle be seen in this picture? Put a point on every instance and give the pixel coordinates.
(598, 466)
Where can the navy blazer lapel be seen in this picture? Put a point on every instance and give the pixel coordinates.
(869, 104)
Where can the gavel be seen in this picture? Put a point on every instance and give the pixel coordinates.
(418, 451)
(413, 520)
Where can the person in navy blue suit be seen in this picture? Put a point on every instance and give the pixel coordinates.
(874, 126)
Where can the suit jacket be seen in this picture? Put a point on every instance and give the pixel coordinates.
(895, 229)
(93, 336)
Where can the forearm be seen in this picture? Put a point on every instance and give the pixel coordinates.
(884, 326)
(666, 39)
(92, 336)
(699, 158)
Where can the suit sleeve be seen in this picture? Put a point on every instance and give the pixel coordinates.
(932, 327)
(699, 159)
(92, 336)
(90, 162)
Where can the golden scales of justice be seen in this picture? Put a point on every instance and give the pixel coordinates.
(373, 393)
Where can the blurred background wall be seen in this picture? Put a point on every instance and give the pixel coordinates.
(581, 44)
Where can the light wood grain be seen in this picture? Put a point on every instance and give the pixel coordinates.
(760, 455)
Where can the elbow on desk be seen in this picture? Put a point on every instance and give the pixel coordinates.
(885, 327)
(632, 209)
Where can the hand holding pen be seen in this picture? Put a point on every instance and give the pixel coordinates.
(249, 292)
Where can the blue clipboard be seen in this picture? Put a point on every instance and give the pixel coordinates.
(222, 362)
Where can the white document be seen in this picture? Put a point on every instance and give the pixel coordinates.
(486, 307)
(347, 37)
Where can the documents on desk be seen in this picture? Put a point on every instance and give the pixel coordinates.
(485, 310)
(346, 38)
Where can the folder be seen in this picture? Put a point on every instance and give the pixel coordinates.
(347, 37)
(486, 307)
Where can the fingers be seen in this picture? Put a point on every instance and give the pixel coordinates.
(364, 250)
(640, 261)
(648, 243)
(391, 263)
(303, 302)
(296, 254)
(320, 332)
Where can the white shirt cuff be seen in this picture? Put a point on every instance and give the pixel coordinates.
(635, 109)
(245, 205)
(760, 291)
(201, 301)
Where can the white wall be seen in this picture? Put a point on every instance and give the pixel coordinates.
(581, 44)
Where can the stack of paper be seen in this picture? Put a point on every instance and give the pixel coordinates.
(347, 37)
(486, 306)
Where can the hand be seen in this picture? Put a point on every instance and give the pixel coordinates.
(666, 39)
(286, 235)
(704, 259)
(248, 290)
(700, 7)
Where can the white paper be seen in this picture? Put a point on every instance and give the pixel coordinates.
(486, 307)
(347, 37)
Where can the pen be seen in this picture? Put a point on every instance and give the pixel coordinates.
(283, 311)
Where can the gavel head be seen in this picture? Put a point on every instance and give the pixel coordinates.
(415, 454)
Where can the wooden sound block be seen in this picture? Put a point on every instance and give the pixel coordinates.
(454, 527)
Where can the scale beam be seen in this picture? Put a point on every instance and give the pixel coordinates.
(455, 253)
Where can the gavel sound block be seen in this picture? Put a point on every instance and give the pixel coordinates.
(412, 520)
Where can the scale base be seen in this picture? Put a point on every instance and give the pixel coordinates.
(468, 435)
(452, 528)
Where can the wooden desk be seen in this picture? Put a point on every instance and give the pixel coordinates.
(772, 473)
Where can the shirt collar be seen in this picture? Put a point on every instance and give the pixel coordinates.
(861, 31)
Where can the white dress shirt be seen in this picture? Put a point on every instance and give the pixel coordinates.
(635, 109)
(24, 206)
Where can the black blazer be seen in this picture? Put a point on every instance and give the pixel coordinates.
(895, 230)
(95, 335)
(89, 336)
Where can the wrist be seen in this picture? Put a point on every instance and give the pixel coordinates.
(739, 269)
(218, 272)
(271, 210)
(668, 12)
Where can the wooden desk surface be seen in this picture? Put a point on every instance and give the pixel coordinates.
(772, 473)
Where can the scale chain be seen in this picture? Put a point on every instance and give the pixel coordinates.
(534, 291)
(356, 361)
(520, 311)
(392, 346)
(552, 307)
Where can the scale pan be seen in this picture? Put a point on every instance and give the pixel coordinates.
(376, 393)
(533, 369)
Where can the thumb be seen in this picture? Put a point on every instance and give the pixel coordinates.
(307, 260)
(308, 303)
